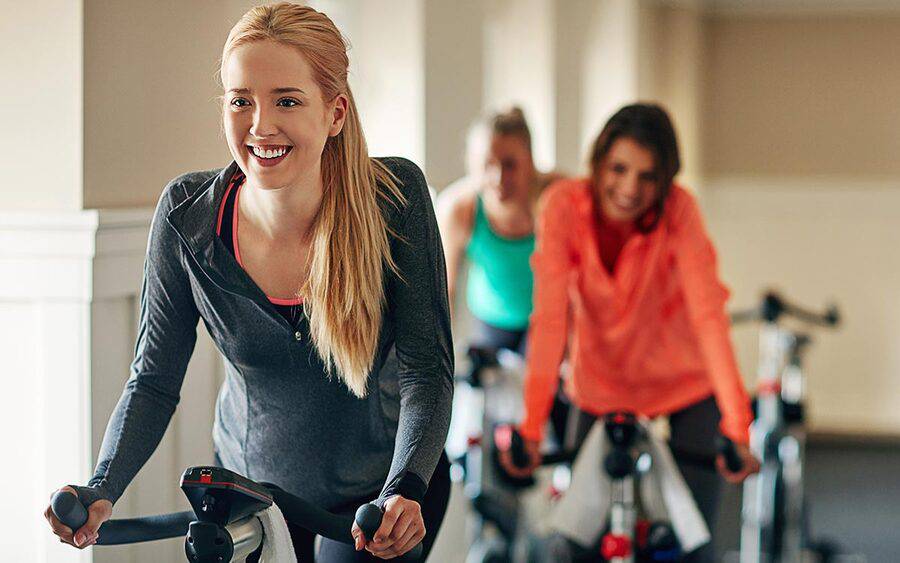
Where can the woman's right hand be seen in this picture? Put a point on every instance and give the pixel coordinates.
(532, 451)
(98, 513)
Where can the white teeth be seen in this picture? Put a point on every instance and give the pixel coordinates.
(269, 153)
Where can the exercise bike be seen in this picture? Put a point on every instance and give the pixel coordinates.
(633, 533)
(488, 399)
(773, 515)
(224, 525)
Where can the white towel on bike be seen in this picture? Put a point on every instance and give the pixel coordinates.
(581, 513)
(277, 545)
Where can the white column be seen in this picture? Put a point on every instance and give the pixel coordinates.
(386, 71)
(69, 292)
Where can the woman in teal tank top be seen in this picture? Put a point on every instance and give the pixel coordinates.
(487, 217)
(487, 220)
(498, 291)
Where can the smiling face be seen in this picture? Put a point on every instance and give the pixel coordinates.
(627, 181)
(276, 120)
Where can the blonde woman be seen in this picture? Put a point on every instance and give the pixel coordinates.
(318, 272)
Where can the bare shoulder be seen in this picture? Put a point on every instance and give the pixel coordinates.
(456, 202)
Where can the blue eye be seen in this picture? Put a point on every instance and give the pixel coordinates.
(240, 102)
(287, 102)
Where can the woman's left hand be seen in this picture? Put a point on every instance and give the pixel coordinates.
(749, 466)
(402, 528)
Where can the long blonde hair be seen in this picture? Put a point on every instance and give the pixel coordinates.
(343, 297)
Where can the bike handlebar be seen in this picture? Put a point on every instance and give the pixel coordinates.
(507, 438)
(69, 509)
(733, 461)
(773, 307)
(515, 445)
(334, 526)
(71, 512)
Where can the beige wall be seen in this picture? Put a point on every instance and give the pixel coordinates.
(820, 242)
(41, 148)
(801, 139)
(149, 88)
(804, 95)
(610, 53)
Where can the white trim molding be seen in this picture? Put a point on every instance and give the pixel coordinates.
(69, 297)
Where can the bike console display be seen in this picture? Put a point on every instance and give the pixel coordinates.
(219, 496)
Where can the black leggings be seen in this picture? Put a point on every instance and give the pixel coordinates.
(488, 336)
(693, 432)
(434, 505)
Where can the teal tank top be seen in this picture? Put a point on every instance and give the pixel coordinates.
(500, 281)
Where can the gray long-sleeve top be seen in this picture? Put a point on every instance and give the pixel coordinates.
(279, 417)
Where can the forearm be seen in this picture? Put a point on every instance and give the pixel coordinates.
(545, 350)
(135, 429)
(728, 387)
(425, 409)
(166, 337)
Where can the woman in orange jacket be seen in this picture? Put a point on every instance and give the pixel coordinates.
(626, 281)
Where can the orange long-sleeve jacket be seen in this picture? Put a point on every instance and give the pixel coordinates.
(651, 338)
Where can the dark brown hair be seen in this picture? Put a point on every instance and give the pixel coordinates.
(648, 125)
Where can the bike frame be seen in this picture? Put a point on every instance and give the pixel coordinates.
(773, 514)
(779, 446)
(492, 388)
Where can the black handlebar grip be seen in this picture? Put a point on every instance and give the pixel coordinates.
(68, 509)
(517, 449)
(368, 518)
(733, 461)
